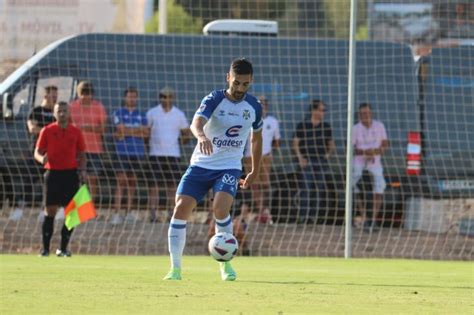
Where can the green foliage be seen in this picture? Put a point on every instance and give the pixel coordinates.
(179, 21)
(210, 10)
(362, 33)
(338, 15)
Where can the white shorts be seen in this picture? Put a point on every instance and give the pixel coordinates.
(378, 183)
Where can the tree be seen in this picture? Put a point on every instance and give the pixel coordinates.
(210, 10)
(179, 21)
(338, 14)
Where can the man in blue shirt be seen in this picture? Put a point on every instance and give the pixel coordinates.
(131, 129)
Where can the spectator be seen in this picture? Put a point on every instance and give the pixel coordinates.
(167, 123)
(370, 141)
(42, 115)
(261, 189)
(313, 145)
(130, 131)
(60, 145)
(90, 116)
(39, 117)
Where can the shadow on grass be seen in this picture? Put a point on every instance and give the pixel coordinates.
(357, 284)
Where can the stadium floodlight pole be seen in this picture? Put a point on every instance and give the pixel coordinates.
(350, 123)
(163, 17)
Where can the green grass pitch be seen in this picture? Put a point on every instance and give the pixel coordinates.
(270, 285)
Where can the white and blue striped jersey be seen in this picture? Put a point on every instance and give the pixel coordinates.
(228, 128)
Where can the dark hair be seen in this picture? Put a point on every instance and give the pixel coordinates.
(315, 104)
(85, 87)
(130, 89)
(62, 103)
(50, 88)
(241, 66)
(364, 105)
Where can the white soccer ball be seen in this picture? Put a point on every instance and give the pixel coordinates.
(223, 246)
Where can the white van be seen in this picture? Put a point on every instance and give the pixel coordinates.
(242, 28)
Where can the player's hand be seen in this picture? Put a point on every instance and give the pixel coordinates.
(83, 176)
(303, 162)
(249, 179)
(45, 159)
(205, 145)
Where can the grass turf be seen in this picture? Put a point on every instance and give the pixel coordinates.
(270, 285)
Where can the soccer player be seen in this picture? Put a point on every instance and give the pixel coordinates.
(60, 145)
(221, 126)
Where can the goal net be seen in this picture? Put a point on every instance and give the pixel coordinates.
(414, 65)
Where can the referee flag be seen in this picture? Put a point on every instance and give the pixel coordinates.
(80, 208)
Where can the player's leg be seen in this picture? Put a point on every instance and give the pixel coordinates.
(154, 175)
(265, 189)
(322, 171)
(356, 176)
(70, 185)
(51, 202)
(307, 196)
(379, 185)
(121, 183)
(191, 189)
(225, 189)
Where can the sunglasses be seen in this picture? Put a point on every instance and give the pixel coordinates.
(165, 96)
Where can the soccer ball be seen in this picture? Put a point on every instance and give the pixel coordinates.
(223, 246)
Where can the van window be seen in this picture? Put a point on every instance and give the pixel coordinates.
(63, 83)
(20, 102)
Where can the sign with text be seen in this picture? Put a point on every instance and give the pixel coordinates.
(26, 26)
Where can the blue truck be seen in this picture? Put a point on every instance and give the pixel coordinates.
(438, 102)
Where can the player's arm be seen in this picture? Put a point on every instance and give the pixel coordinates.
(33, 127)
(331, 148)
(383, 146)
(40, 153)
(256, 155)
(197, 129)
(276, 143)
(185, 135)
(41, 156)
(297, 149)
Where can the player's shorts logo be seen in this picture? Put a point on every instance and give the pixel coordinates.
(233, 131)
(228, 179)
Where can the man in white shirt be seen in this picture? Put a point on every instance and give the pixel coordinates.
(167, 124)
(261, 189)
(370, 141)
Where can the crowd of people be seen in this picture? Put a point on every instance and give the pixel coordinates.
(148, 146)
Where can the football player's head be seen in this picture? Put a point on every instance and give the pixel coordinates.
(239, 78)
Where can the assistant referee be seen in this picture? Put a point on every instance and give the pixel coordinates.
(60, 149)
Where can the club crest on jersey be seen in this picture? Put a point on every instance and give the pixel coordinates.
(233, 131)
(228, 179)
(246, 114)
(202, 108)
